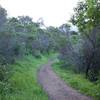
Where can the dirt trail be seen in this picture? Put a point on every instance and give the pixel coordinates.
(55, 87)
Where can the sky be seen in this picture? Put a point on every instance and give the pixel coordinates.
(53, 12)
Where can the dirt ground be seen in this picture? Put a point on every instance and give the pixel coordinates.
(55, 87)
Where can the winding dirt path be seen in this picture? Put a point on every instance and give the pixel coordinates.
(55, 87)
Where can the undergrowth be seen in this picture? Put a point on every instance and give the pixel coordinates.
(23, 82)
(78, 81)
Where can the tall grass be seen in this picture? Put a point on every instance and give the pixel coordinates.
(23, 83)
(78, 81)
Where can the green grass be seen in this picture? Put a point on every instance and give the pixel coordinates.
(24, 85)
(78, 81)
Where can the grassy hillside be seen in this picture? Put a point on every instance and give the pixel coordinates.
(78, 81)
(23, 83)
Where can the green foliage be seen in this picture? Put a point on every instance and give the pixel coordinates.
(3, 18)
(87, 19)
(24, 85)
(5, 74)
(87, 15)
(75, 39)
(78, 81)
(21, 37)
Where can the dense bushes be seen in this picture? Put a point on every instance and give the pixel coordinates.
(83, 51)
(83, 54)
(19, 37)
(78, 81)
(91, 51)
